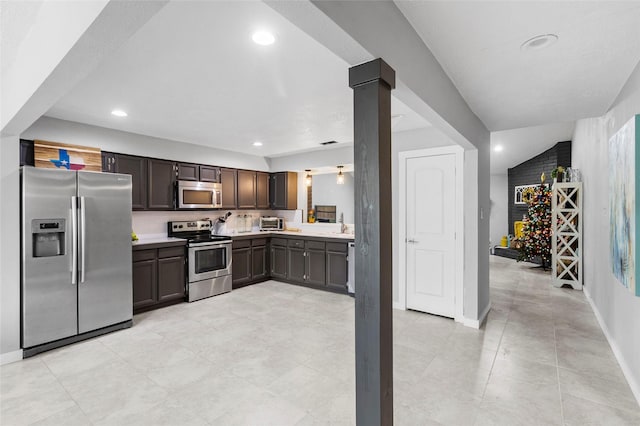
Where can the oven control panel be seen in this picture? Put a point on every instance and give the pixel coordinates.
(190, 226)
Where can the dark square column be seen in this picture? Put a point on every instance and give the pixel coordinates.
(372, 83)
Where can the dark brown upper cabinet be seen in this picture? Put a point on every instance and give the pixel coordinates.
(162, 180)
(229, 180)
(108, 162)
(209, 174)
(187, 171)
(27, 154)
(198, 172)
(246, 189)
(262, 190)
(283, 191)
(137, 168)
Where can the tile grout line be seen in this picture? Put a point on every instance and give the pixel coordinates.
(555, 347)
(86, 415)
(495, 356)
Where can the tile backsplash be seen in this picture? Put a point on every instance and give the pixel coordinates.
(155, 222)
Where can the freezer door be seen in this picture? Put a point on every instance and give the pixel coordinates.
(49, 298)
(105, 291)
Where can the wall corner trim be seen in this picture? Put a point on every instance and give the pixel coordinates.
(626, 371)
(9, 357)
(477, 323)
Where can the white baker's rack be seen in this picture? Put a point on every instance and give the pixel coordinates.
(566, 241)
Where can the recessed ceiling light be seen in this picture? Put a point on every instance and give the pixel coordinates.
(257, 144)
(498, 148)
(539, 42)
(119, 113)
(263, 38)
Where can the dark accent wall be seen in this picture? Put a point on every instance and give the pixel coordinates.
(528, 173)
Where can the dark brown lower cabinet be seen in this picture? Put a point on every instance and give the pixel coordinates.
(249, 261)
(158, 276)
(316, 267)
(306, 262)
(171, 278)
(241, 263)
(337, 266)
(145, 290)
(260, 267)
(278, 259)
(296, 270)
(314, 263)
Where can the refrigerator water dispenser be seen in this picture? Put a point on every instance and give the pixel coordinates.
(48, 237)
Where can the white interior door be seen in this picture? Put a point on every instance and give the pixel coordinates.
(430, 234)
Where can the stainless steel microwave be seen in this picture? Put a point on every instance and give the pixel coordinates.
(199, 195)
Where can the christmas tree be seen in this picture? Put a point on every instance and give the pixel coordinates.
(535, 243)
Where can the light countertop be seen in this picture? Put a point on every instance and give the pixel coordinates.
(294, 234)
(155, 239)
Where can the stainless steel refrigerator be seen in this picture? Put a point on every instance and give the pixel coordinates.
(76, 256)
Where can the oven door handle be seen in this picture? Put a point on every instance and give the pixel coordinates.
(208, 245)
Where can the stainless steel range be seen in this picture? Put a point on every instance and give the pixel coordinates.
(208, 261)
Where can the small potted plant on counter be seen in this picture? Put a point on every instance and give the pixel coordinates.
(558, 174)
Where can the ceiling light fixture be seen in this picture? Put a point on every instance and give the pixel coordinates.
(340, 180)
(498, 148)
(307, 179)
(539, 42)
(119, 113)
(263, 38)
(257, 143)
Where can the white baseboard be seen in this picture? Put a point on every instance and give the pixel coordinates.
(478, 323)
(398, 305)
(10, 357)
(626, 371)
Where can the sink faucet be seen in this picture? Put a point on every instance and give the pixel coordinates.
(343, 227)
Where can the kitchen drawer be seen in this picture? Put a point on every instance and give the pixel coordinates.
(171, 252)
(337, 247)
(315, 245)
(140, 255)
(238, 244)
(296, 243)
(278, 242)
(258, 242)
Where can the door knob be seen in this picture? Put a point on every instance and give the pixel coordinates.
(411, 240)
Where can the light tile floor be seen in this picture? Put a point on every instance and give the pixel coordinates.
(277, 354)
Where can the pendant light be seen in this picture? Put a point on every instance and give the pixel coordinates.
(340, 180)
(307, 179)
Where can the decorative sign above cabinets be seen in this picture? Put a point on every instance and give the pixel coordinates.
(55, 155)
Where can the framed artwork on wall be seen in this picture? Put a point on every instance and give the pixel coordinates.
(624, 154)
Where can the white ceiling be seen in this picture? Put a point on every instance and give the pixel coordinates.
(525, 143)
(192, 73)
(15, 20)
(478, 45)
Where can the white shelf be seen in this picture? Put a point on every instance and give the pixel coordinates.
(566, 241)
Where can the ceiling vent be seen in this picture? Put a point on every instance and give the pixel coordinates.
(328, 142)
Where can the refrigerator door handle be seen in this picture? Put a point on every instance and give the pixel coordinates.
(74, 240)
(83, 238)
